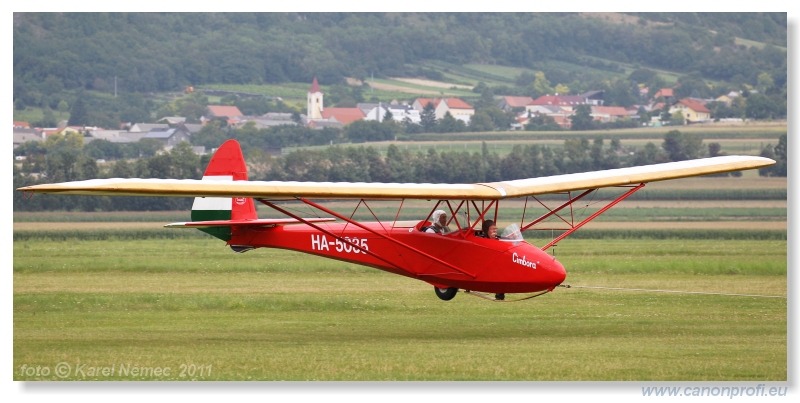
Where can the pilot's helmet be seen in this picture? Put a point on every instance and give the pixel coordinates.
(436, 215)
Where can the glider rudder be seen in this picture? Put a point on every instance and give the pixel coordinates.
(227, 164)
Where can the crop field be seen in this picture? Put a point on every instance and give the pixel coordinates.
(182, 309)
(687, 283)
(748, 139)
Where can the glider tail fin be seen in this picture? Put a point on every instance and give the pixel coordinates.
(227, 164)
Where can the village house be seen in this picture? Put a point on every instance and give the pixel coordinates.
(664, 95)
(568, 101)
(399, 112)
(457, 108)
(345, 116)
(404, 112)
(23, 135)
(231, 115)
(191, 128)
(173, 120)
(146, 127)
(594, 98)
(559, 114)
(608, 114)
(170, 136)
(728, 98)
(692, 110)
(115, 136)
(269, 119)
(513, 103)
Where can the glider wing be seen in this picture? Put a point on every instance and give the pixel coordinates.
(346, 190)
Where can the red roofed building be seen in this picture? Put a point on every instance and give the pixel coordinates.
(224, 111)
(693, 111)
(457, 109)
(420, 103)
(344, 116)
(665, 93)
(509, 103)
(560, 100)
(607, 114)
(230, 114)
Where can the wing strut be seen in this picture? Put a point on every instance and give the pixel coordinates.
(364, 227)
(577, 226)
(554, 211)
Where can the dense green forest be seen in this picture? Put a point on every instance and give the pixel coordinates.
(60, 57)
(163, 52)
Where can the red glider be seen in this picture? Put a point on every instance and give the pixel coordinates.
(462, 258)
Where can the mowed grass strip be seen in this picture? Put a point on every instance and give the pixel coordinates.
(279, 315)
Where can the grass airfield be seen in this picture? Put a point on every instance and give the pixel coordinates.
(188, 308)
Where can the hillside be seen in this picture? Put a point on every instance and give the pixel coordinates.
(57, 55)
(167, 51)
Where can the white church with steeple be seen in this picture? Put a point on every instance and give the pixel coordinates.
(317, 116)
(314, 102)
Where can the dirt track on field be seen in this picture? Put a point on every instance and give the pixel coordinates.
(389, 87)
(419, 82)
(431, 83)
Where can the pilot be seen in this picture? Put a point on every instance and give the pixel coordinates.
(488, 229)
(439, 226)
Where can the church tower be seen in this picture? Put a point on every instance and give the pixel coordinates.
(314, 110)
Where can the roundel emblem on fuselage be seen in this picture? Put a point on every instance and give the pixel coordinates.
(239, 201)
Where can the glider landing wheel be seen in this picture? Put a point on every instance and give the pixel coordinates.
(446, 294)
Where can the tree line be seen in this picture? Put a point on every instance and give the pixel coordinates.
(64, 158)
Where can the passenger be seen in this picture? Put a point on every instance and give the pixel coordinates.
(488, 230)
(439, 226)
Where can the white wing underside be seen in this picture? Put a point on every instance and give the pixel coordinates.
(344, 190)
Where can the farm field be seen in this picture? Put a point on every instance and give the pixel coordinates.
(195, 310)
(503, 147)
(743, 139)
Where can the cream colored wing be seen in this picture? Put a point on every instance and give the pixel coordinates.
(628, 176)
(340, 190)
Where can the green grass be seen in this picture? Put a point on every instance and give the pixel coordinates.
(279, 315)
(32, 115)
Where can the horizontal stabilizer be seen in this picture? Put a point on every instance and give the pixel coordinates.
(267, 222)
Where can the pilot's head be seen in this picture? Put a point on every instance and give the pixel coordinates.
(489, 229)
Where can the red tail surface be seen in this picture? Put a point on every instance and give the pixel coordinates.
(227, 164)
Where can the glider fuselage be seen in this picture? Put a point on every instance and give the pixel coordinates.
(458, 259)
